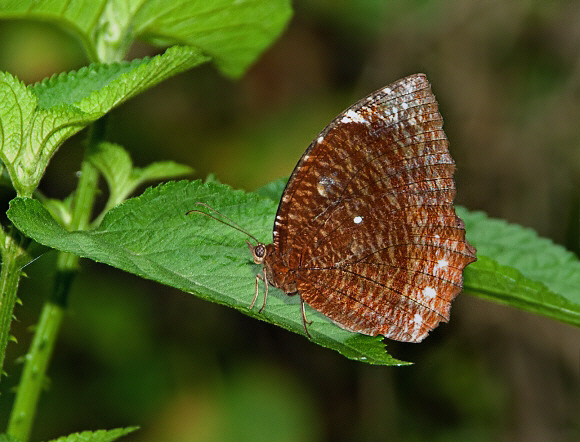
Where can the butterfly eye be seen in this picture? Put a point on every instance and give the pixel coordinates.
(260, 251)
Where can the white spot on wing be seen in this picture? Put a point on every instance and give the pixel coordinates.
(441, 264)
(353, 117)
(324, 184)
(418, 319)
(357, 219)
(429, 292)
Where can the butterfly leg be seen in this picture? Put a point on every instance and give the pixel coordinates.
(305, 321)
(265, 294)
(258, 278)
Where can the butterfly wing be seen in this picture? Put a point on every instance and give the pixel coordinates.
(366, 223)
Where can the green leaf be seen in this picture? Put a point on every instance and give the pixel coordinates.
(516, 267)
(97, 436)
(273, 190)
(122, 178)
(152, 237)
(35, 121)
(234, 33)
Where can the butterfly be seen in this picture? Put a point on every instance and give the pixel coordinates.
(366, 232)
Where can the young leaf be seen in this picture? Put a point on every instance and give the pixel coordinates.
(96, 436)
(116, 166)
(35, 120)
(61, 210)
(526, 271)
(122, 178)
(232, 32)
(152, 237)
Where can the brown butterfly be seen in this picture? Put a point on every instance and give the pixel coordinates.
(366, 232)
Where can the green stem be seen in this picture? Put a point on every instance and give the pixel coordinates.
(38, 358)
(33, 375)
(9, 278)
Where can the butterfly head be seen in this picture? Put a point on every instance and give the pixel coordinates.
(259, 251)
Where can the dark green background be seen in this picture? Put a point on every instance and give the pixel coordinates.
(507, 77)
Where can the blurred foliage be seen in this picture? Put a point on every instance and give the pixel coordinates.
(132, 352)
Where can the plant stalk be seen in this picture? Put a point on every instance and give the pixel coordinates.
(33, 375)
(38, 357)
(9, 278)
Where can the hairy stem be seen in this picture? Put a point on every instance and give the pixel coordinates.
(38, 357)
(9, 278)
(33, 375)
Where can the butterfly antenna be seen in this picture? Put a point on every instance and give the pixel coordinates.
(230, 223)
